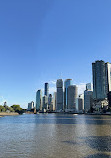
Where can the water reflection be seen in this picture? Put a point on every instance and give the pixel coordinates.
(54, 136)
(58, 119)
(99, 156)
(100, 143)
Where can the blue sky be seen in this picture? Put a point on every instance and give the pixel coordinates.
(43, 40)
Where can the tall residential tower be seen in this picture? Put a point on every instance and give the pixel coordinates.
(67, 83)
(101, 79)
(46, 89)
(71, 97)
(39, 100)
(59, 95)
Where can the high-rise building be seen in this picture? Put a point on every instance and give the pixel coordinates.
(71, 97)
(39, 100)
(67, 83)
(45, 102)
(59, 95)
(82, 97)
(51, 108)
(108, 77)
(88, 100)
(50, 102)
(89, 86)
(31, 105)
(49, 99)
(109, 98)
(80, 105)
(54, 101)
(101, 79)
(46, 89)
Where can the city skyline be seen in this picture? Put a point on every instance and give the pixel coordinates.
(52, 83)
(96, 96)
(46, 40)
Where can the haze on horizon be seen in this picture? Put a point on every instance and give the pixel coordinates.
(43, 40)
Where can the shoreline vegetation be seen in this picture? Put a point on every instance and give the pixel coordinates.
(12, 110)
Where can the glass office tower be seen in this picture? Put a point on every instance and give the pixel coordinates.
(46, 89)
(59, 96)
(67, 83)
(39, 100)
(72, 94)
(101, 79)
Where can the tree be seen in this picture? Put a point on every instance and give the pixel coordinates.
(6, 107)
(11, 109)
(2, 109)
(17, 109)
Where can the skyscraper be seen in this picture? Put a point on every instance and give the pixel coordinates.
(50, 103)
(101, 79)
(89, 86)
(50, 99)
(88, 100)
(109, 99)
(45, 102)
(67, 83)
(82, 97)
(59, 96)
(31, 105)
(71, 97)
(39, 100)
(80, 105)
(54, 101)
(46, 89)
(108, 77)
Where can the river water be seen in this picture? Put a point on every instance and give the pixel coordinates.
(55, 136)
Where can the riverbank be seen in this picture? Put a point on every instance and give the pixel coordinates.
(8, 114)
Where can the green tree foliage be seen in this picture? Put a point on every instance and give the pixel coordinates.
(13, 108)
(2, 108)
(6, 107)
(18, 109)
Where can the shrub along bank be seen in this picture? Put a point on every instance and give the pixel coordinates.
(13, 108)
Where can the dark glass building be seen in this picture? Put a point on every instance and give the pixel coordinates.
(109, 98)
(46, 89)
(101, 79)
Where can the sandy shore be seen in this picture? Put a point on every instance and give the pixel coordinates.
(8, 114)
